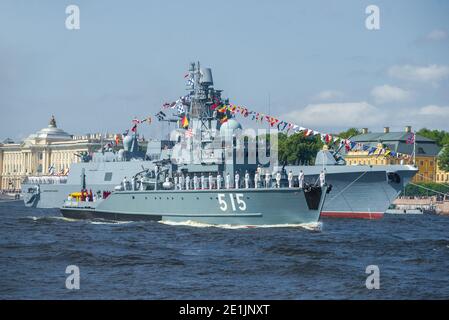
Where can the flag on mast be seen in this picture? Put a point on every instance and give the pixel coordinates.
(411, 139)
(184, 122)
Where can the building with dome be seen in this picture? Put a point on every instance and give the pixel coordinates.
(50, 150)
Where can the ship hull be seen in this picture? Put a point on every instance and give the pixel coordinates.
(358, 191)
(367, 198)
(248, 207)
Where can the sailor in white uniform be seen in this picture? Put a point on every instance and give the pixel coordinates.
(134, 183)
(246, 180)
(267, 179)
(125, 183)
(219, 178)
(256, 179)
(195, 182)
(181, 181)
(237, 180)
(203, 182)
(188, 182)
(322, 178)
(301, 179)
(176, 181)
(228, 181)
(278, 179)
(141, 184)
(290, 179)
(211, 181)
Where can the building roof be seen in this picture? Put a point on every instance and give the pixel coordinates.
(52, 132)
(8, 141)
(397, 141)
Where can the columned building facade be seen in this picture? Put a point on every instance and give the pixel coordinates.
(49, 151)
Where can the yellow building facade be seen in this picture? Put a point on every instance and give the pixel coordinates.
(426, 152)
(48, 151)
(441, 175)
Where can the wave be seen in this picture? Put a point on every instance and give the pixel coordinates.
(108, 222)
(50, 218)
(315, 226)
(59, 218)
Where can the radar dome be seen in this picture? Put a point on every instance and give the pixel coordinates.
(229, 127)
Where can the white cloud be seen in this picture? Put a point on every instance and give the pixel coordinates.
(437, 35)
(435, 111)
(432, 73)
(431, 116)
(352, 114)
(387, 93)
(327, 95)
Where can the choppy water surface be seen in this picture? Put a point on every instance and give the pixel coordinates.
(150, 260)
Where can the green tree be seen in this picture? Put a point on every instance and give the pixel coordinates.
(443, 159)
(441, 137)
(351, 132)
(297, 148)
(424, 189)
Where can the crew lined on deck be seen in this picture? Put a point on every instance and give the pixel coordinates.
(261, 179)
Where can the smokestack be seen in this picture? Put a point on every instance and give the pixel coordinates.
(386, 129)
(408, 129)
(365, 130)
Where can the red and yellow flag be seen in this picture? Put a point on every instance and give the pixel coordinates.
(184, 122)
(222, 109)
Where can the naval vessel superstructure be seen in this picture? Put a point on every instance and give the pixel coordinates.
(194, 182)
(358, 191)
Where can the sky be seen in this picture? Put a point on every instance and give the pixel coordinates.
(313, 63)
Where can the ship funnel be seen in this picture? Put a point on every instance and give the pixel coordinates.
(206, 77)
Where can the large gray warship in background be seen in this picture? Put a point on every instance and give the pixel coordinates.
(358, 191)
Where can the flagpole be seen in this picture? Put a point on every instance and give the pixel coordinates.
(414, 148)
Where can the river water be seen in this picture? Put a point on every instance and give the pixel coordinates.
(151, 260)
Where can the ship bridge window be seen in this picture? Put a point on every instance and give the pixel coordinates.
(108, 176)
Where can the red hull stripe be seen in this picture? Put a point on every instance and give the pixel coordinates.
(353, 215)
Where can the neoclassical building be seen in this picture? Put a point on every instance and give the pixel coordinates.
(426, 151)
(51, 150)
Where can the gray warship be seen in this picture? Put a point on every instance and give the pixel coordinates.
(358, 191)
(206, 177)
